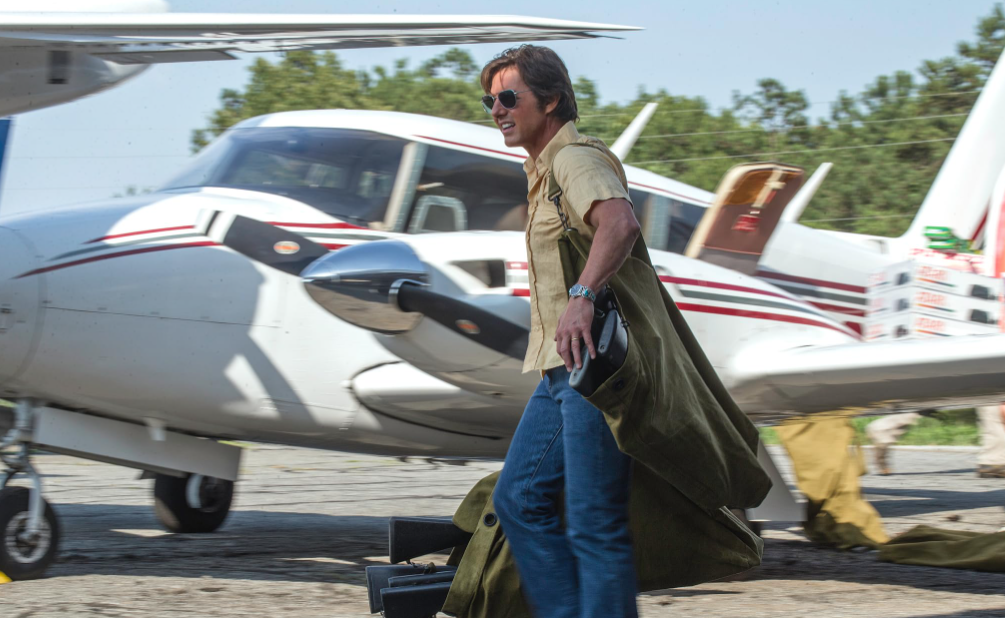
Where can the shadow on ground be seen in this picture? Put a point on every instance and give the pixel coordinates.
(258, 545)
(917, 501)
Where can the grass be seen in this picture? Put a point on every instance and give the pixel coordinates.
(947, 428)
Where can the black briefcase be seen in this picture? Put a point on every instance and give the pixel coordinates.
(610, 337)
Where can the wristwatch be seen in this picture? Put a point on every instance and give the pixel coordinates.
(581, 290)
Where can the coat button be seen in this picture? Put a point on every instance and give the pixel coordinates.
(490, 519)
(619, 384)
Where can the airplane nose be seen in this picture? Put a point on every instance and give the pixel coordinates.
(359, 284)
(20, 299)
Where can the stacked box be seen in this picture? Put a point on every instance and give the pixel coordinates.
(913, 325)
(934, 303)
(925, 298)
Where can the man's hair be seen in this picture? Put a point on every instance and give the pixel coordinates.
(544, 73)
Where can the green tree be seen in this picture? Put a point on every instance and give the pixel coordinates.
(887, 143)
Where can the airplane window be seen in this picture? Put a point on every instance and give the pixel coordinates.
(347, 174)
(492, 193)
(667, 224)
(653, 213)
(684, 218)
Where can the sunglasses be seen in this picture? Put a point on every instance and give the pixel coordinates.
(507, 98)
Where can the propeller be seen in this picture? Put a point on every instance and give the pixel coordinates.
(482, 327)
(263, 242)
(379, 285)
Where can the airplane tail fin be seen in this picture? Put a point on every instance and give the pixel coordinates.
(960, 195)
(993, 234)
(6, 126)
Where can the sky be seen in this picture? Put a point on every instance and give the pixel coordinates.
(138, 134)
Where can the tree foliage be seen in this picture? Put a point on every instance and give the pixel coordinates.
(887, 142)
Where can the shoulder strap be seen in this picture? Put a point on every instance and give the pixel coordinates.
(555, 195)
(555, 189)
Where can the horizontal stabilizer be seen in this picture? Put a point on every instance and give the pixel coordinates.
(906, 374)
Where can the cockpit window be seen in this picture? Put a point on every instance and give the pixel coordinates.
(345, 173)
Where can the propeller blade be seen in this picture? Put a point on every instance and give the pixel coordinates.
(482, 327)
(265, 243)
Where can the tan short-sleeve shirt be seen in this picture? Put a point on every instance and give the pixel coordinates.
(586, 175)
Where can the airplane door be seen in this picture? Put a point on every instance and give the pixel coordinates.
(748, 205)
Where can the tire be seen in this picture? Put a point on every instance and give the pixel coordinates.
(22, 561)
(173, 502)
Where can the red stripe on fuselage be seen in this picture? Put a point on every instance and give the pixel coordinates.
(163, 229)
(757, 315)
(321, 226)
(766, 274)
(108, 256)
(723, 286)
(462, 145)
(838, 309)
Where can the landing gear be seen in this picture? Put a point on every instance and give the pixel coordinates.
(193, 503)
(24, 554)
(29, 531)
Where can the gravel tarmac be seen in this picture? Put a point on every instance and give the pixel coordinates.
(305, 523)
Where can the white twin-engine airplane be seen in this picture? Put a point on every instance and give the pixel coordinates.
(137, 331)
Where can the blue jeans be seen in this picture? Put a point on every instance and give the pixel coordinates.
(584, 569)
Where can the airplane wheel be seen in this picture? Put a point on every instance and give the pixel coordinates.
(23, 558)
(194, 503)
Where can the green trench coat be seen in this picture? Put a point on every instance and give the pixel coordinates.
(694, 452)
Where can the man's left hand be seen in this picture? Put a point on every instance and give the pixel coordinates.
(574, 330)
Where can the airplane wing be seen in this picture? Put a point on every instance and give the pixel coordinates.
(143, 38)
(906, 374)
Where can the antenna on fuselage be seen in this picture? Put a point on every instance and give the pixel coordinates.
(624, 143)
(805, 194)
(6, 128)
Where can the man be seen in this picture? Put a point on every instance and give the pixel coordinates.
(562, 497)
(991, 458)
(884, 433)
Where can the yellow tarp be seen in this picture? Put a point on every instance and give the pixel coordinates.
(827, 463)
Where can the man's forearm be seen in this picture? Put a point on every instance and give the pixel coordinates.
(612, 244)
